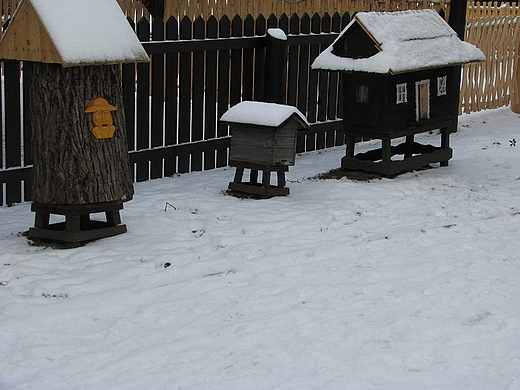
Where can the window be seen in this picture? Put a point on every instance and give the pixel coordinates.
(362, 94)
(402, 93)
(441, 85)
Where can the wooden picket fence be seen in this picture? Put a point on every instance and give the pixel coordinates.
(493, 83)
(219, 8)
(192, 81)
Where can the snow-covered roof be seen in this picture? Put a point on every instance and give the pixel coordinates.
(71, 32)
(262, 114)
(406, 40)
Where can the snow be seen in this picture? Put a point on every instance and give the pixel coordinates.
(261, 113)
(405, 25)
(277, 33)
(409, 40)
(391, 284)
(101, 35)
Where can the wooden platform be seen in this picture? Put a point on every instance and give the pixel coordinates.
(380, 161)
(253, 186)
(78, 227)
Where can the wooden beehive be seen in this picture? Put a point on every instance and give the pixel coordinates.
(264, 133)
(72, 50)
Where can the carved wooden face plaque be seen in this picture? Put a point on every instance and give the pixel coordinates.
(102, 118)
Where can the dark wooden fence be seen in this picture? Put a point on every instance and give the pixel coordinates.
(198, 70)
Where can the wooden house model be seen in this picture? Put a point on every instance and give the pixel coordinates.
(401, 76)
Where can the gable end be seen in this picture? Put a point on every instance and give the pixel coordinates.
(355, 43)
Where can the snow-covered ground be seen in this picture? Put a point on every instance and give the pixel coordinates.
(393, 284)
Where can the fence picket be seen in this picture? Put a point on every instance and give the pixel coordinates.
(223, 87)
(303, 80)
(197, 121)
(185, 79)
(236, 64)
(292, 71)
(157, 99)
(171, 97)
(211, 93)
(143, 103)
(248, 61)
(13, 147)
(260, 29)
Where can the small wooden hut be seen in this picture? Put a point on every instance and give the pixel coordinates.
(263, 138)
(400, 78)
(71, 51)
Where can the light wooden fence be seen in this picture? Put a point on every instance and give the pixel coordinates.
(493, 83)
(219, 8)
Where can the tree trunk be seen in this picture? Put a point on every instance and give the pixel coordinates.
(71, 166)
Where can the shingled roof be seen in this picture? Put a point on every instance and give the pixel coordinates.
(404, 41)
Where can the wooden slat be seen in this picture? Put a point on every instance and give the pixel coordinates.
(248, 61)
(143, 102)
(170, 119)
(260, 29)
(13, 128)
(197, 122)
(27, 127)
(223, 88)
(157, 99)
(211, 93)
(292, 72)
(313, 81)
(185, 78)
(303, 79)
(236, 64)
(128, 81)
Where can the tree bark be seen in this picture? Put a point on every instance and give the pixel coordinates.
(71, 166)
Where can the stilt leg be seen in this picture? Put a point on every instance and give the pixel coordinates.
(386, 150)
(409, 146)
(351, 142)
(445, 142)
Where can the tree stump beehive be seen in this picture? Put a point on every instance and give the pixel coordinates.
(79, 168)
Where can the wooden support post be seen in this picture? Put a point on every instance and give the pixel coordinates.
(42, 220)
(266, 178)
(351, 143)
(275, 65)
(239, 174)
(445, 142)
(386, 150)
(281, 179)
(409, 146)
(253, 176)
(263, 189)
